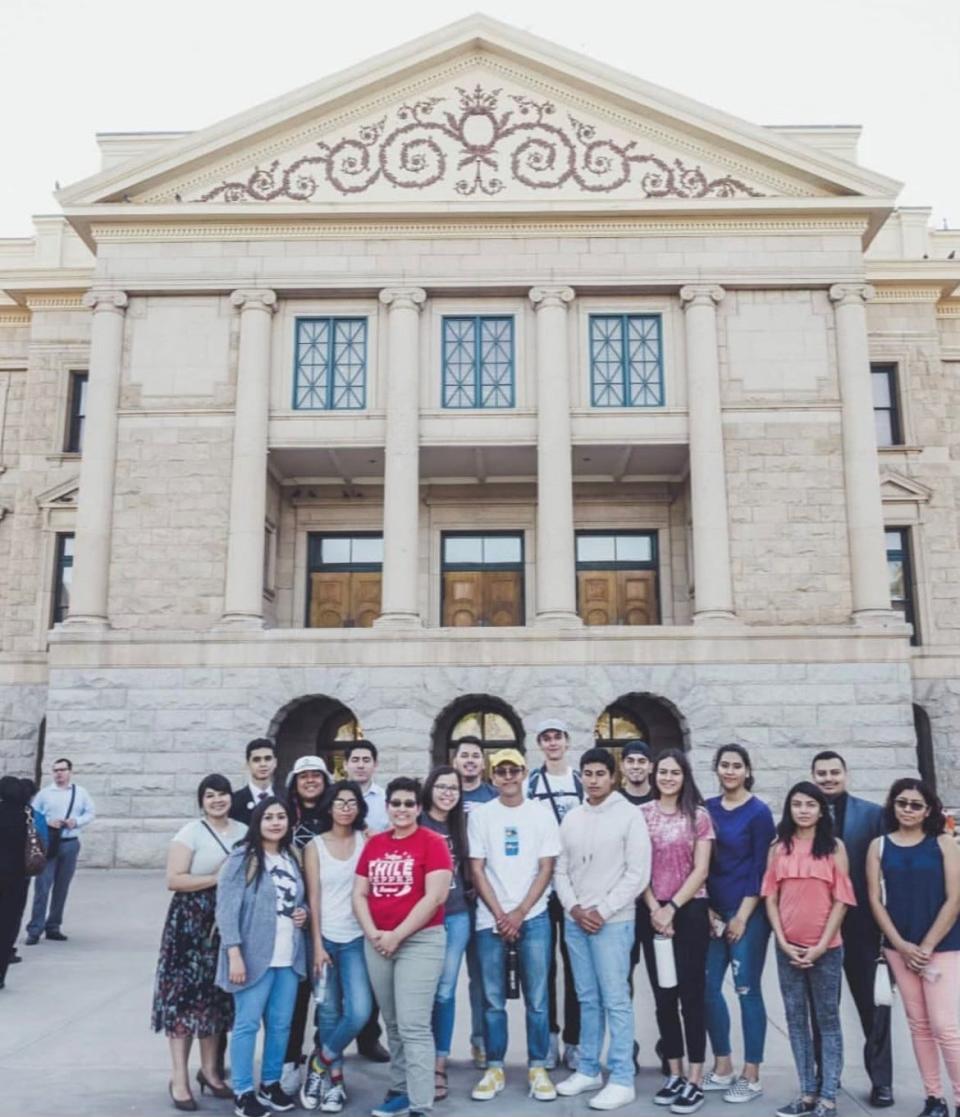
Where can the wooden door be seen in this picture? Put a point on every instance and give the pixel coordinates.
(365, 598)
(329, 599)
(502, 598)
(462, 598)
(597, 596)
(637, 597)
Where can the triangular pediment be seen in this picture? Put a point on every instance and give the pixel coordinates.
(895, 488)
(476, 112)
(63, 495)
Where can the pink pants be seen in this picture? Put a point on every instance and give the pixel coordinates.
(931, 1009)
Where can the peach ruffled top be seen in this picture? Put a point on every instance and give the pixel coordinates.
(807, 888)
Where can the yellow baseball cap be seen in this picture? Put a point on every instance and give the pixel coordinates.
(507, 756)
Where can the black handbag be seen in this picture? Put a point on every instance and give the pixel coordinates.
(34, 857)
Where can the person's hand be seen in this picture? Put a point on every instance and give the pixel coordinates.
(320, 959)
(796, 954)
(70, 823)
(510, 924)
(592, 921)
(577, 915)
(387, 943)
(813, 954)
(735, 928)
(238, 971)
(919, 959)
(299, 917)
(55, 823)
(662, 919)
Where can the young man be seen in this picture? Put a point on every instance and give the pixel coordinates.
(513, 845)
(261, 769)
(604, 866)
(556, 785)
(857, 822)
(469, 762)
(68, 809)
(360, 760)
(636, 764)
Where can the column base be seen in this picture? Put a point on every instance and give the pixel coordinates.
(240, 622)
(715, 618)
(82, 624)
(877, 618)
(558, 618)
(398, 620)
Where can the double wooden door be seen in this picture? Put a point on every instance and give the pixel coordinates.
(344, 599)
(485, 598)
(617, 597)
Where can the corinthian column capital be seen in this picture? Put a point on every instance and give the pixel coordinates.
(255, 298)
(403, 298)
(851, 294)
(99, 298)
(542, 297)
(701, 294)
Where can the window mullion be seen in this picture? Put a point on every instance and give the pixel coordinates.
(625, 361)
(477, 363)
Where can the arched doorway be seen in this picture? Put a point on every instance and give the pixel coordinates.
(644, 717)
(314, 725)
(493, 721)
(925, 762)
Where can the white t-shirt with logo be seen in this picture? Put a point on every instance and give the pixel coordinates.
(512, 840)
(284, 877)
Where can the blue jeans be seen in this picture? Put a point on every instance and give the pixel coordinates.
(445, 1006)
(57, 876)
(747, 958)
(347, 1000)
(819, 987)
(601, 972)
(475, 987)
(270, 999)
(534, 947)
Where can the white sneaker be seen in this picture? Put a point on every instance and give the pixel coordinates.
(290, 1079)
(743, 1090)
(579, 1084)
(553, 1052)
(715, 1081)
(612, 1096)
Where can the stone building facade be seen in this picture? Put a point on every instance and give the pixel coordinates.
(477, 383)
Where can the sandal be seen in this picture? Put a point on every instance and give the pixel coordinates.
(440, 1087)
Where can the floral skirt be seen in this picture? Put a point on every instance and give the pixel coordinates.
(186, 1002)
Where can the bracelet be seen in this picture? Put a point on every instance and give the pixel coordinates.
(674, 905)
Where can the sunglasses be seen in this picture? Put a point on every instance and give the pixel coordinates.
(910, 804)
(401, 804)
(507, 771)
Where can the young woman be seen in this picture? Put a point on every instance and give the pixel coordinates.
(913, 877)
(744, 829)
(260, 915)
(808, 891)
(186, 1000)
(330, 865)
(443, 813)
(403, 880)
(681, 836)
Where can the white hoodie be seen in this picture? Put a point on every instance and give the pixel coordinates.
(605, 859)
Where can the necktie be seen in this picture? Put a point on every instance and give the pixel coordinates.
(261, 796)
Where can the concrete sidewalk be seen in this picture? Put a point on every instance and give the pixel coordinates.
(75, 1038)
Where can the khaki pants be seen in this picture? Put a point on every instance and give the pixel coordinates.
(405, 987)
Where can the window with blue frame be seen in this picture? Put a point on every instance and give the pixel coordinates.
(330, 369)
(626, 360)
(478, 361)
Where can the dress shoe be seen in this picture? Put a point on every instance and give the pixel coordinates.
(57, 936)
(218, 1091)
(375, 1052)
(188, 1104)
(881, 1097)
(32, 940)
(14, 957)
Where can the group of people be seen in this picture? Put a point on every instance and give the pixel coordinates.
(550, 883)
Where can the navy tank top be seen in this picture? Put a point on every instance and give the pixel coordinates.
(915, 890)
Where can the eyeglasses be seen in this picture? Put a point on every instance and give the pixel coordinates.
(910, 804)
(401, 804)
(346, 804)
(61, 770)
(447, 788)
(507, 771)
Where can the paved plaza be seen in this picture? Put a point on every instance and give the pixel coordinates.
(75, 1038)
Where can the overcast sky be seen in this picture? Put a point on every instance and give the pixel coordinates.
(71, 68)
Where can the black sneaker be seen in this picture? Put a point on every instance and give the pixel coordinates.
(275, 1097)
(670, 1090)
(799, 1107)
(689, 1100)
(246, 1105)
(935, 1107)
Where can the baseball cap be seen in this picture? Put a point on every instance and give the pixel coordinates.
(630, 747)
(551, 723)
(507, 756)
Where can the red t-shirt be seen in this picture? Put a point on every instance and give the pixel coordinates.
(396, 869)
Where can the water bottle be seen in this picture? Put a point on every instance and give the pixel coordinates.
(666, 962)
(513, 971)
(320, 986)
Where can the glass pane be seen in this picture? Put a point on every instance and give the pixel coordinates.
(463, 548)
(606, 361)
(368, 550)
(883, 424)
(625, 730)
(596, 548)
(634, 548)
(349, 731)
(313, 340)
(468, 726)
(336, 550)
(897, 585)
(68, 546)
(497, 728)
(602, 729)
(501, 548)
(881, 389)
(894, 540)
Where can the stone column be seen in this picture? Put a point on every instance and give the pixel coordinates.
(243, 593)
(88, 607)
(556, 562)
(713, 585)
(401, 481)
(869, 580)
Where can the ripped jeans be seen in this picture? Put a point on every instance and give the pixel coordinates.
(746, 957)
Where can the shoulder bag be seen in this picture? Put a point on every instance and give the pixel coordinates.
(882, 985)
(34, 857)
(56, 832)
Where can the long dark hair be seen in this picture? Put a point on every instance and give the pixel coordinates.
(252, 841)
(737, 750)
(326, 807)
(690, 797)
(456, 816)
(824, 838)
(936, 821)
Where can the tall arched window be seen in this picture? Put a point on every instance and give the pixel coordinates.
(314, 725)
(490, 719)
(643, 717)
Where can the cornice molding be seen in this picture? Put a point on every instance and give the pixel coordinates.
(14, 317)
(948, 310)
(55, 302)
(891, 294)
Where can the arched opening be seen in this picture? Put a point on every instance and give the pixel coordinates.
(640, 716)
(925, 764)
(38, 762)
(314, 725)
(492, 720)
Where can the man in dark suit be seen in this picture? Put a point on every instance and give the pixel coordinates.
(857, 822)
(261, 768)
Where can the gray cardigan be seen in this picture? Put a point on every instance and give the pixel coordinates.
(247, 917)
